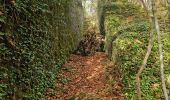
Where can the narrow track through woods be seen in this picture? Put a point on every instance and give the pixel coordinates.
(87, 78)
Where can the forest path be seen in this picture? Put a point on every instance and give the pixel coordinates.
(87, 78)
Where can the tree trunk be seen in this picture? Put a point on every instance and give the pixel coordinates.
(157, 28)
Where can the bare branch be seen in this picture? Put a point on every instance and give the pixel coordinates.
(155, 25)
(144, 5)
(149, 48)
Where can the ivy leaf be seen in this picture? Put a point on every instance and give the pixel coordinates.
(1, 33)
(2, 19)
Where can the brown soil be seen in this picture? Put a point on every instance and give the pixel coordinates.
(87, 78)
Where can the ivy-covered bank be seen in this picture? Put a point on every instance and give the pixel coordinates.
(36, 37)
(127, 33)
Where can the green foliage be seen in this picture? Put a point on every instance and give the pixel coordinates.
(43, 37)
(123, 10)
(129, 49)
(112, 21)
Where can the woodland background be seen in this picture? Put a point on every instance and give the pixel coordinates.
(37, 36)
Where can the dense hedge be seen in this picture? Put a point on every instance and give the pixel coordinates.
(129, 49)
(43, 33)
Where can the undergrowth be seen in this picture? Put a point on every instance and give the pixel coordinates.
(129, 49)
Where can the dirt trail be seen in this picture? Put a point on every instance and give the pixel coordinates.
(87, 78)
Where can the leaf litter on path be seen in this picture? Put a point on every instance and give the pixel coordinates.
(87, 78)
